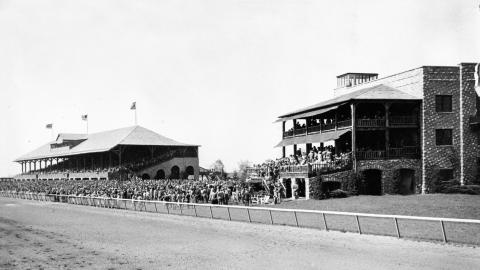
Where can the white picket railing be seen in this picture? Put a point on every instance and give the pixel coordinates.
(211, 211)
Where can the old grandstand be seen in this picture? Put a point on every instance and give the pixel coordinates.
(113, 154)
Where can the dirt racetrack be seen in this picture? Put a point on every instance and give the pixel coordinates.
(41, 235)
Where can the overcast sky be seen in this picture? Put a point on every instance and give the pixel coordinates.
(215, 73)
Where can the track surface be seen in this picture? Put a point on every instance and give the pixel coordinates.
(50, 235)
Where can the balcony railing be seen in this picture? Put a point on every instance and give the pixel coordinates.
(300, 131)
(288, 133)
(313, 129)
(371, 122)
(403, 120)
(330, 126)
(315, 168)
(404, 152)
(371, 154)
(345, 123)
(300, 169)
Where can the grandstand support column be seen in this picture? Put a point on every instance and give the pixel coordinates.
(152, 150)
(30, 166)
(354, 142)
(283, 152)
(387, 129)
(294, 149)
(84, 163)
(120, 155)
(336, 119)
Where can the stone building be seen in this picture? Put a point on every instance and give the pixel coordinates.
(402, 132)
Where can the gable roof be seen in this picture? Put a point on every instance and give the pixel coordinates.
(101, 142)
(379, 92)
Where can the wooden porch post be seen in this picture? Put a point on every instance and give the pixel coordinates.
(354, 142)
(387, 129)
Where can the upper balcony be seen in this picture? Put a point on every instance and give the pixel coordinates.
(412, 152)
(322, 127)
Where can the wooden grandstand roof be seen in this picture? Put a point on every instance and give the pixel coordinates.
(379, 92)
(101, 142)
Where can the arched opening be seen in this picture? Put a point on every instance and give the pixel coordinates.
(190, 170)
(406, 181)
(175, 172)
(373, 182)
(145, 176)
(160, 174)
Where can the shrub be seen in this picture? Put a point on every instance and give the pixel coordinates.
(354, 184)
(338, 193)
(466, 189)
(316, 188)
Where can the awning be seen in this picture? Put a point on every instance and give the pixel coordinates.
(313, 138)
(308, 114)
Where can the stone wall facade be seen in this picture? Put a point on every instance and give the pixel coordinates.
(462, 155)
(388, 168)
(426, 82)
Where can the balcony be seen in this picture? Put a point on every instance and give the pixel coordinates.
(403, 120)
(344, 124)
(288, 133)
(313, 129)
(300, 131)
(404, 152)
(393, 153)
(329, 126)
(309, 170)
(371, 154)
(370, 123)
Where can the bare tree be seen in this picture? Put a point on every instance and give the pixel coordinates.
(242, 169)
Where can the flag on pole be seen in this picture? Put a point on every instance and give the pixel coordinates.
(134, 106)
(49, 126)
(85, 117)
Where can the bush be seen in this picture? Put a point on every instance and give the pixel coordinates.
(467, 189)
(316, 188)
(354, 185)
(338, 193)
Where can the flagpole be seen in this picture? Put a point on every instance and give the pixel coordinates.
(135, 115)
(87, 125)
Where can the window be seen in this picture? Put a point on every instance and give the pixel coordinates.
(443, 103)
(445, 174)
(443, 136)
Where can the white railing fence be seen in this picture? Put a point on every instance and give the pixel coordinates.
(426, 228)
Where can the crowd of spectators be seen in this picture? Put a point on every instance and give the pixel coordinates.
(189, 191)
(324, 156)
